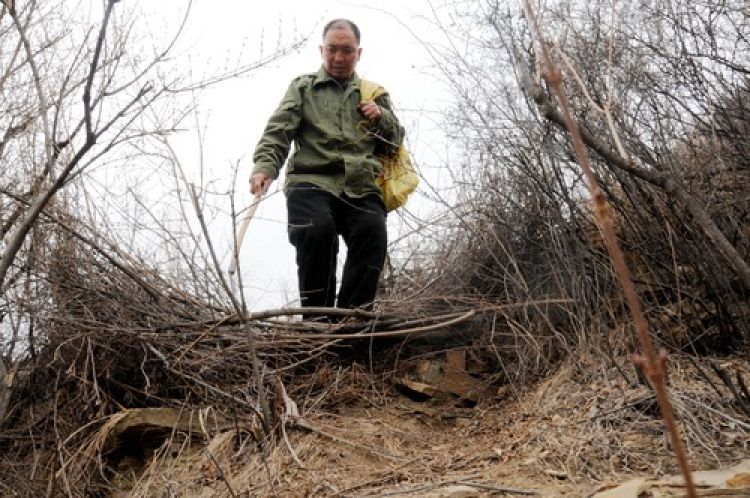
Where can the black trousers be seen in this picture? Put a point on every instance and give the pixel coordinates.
(316, 219)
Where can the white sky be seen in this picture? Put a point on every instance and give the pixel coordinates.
(220, 32)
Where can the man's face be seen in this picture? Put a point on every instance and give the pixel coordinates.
(340, 52)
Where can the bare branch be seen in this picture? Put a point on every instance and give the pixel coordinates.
(652, 363)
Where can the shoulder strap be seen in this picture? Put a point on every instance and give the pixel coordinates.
(369, 90)
(307, 80)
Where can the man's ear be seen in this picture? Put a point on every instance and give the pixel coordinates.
(359, 53)
(321, 50)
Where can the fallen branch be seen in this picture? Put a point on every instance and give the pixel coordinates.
(499, 489)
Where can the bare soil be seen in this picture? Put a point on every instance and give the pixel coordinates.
(580, 431)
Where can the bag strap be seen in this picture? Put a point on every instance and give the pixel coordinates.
(369, 90)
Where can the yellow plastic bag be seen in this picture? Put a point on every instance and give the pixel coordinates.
(398, 178)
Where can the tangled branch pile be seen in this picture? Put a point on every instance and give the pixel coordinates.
(114, 334)
(118, 336)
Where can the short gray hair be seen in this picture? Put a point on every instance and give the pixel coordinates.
(335, 23)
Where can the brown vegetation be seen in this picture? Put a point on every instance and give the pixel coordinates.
(144, 374)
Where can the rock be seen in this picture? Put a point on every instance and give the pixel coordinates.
(630, 489)
(417, 387)
(729, 483)
(457, 491)
(449, 377)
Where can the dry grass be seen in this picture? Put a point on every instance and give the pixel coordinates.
(567, 411)
(581, 424)
(518, 278)
(559, 416)
(570, 434)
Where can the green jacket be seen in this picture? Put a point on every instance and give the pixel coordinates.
(334, 145)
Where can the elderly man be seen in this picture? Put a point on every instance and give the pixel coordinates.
(330, 180)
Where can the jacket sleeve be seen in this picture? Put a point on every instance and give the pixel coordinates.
(389, 127)
(273, 147)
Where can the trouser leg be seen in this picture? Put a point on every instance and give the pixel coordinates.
(361, 222)
(312, 232)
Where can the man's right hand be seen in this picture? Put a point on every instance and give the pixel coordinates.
(259, 183)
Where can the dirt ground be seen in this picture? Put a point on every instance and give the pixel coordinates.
(573, 434)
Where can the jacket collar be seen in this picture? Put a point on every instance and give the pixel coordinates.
(323, 77)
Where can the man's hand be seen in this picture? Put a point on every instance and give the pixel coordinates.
(259, 183)
(370, 109)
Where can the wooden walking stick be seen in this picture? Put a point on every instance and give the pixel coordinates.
(240, 235)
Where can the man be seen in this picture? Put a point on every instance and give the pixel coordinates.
(330, 180)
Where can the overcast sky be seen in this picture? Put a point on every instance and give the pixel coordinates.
(220, 32)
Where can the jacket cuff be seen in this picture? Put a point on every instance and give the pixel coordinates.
(267, 170)
(391, 131)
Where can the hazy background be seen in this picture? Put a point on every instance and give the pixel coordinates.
(232, 115)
